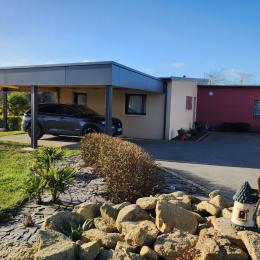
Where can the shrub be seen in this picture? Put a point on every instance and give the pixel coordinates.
(18, 103)
(46, 176)
(235, 127)
(129, 171)
(14, 122)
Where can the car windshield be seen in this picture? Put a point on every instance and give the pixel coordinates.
(86, 110)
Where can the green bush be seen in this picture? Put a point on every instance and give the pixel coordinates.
(18, 103)
(129, 171)
(14, 123)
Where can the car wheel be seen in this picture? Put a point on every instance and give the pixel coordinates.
(90, 130)
(40, 132)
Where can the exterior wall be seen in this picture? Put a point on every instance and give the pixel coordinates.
(149, 126)
(177, 115)
(228, 105)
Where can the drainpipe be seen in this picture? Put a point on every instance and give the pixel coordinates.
(165, 109)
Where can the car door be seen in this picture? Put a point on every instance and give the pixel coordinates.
(48, 116)
(69, 121)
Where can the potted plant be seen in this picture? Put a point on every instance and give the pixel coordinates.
(182, 134)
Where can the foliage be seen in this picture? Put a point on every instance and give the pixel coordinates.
(235, 127)
(18, 103)
(76, 233)
(182, 132)
(14, 122)
(58, 180)
(46, 176)
(45, 156)
(129, 171)
(88, 224)
(14, 172)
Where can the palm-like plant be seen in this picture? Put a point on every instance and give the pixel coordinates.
(45, 156)
(58, 180)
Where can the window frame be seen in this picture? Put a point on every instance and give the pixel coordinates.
(254, 108)
(76, 94)
(144, 102)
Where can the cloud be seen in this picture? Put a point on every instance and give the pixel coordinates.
(178, 65)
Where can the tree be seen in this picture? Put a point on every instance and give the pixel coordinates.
(18, 103)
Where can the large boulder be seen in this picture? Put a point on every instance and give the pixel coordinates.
(62, 221)
(170, 216)
(104, 225)
(148, 253)
(108, 213)
(208, 207)
(121, 205)
(223, 225)
(88, 210)
(227, 213)
(147, 202)
(131, 213)
(212, 245)
(12, 249)
(220, 202)
(108, 240)
(172, 245)
(53, 245)
(139, 233)
(214, 193)
(252, 243)
(89, 251)
(166, 197)
(119, 254)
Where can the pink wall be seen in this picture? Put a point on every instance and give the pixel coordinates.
(231, 104)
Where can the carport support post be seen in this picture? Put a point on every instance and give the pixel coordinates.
(34, 109)
(5, 125)
(108, 119)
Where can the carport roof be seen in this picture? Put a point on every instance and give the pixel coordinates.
(80, 74)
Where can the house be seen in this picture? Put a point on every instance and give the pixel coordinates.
(149, 107)
(229, 103)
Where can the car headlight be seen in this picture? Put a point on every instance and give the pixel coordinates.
(103, 122)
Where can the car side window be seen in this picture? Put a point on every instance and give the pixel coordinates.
(67, 111)
(48, 109)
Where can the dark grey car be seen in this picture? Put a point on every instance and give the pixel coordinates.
(73, 120)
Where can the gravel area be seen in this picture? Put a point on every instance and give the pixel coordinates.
(87, 187)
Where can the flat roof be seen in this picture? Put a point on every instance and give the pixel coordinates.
(83, 73)
(201, 80)
(228, 86)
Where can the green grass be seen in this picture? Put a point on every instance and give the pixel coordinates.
(14, 169)
(6, 133)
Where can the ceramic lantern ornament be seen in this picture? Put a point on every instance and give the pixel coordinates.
(245, 207)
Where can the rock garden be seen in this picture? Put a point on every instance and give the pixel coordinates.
(133, 218)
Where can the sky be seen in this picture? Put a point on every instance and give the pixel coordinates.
(159, 37)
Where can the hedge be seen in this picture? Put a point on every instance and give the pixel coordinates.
(14, 123)
(128, 170)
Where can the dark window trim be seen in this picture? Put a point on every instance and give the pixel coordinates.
(75, 94)
(144, 97)
(254, 114)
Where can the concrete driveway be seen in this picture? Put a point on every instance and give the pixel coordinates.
(222, 160)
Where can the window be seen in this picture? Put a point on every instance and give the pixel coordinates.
(242, 215)
(67, 111)
(135, 104)
(257, 108)
(48, 97)
(48, 109)
(188, 103)
(80, 98)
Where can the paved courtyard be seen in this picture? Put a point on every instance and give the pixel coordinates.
(222, 160)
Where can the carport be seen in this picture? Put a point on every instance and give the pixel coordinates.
(107, 75)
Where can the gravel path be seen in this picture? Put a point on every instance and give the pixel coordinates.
(87, 187)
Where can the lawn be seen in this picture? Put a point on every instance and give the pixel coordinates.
(6, 133)
(14, 169)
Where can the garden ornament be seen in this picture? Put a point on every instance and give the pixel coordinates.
(244, 213)
(27, 221)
